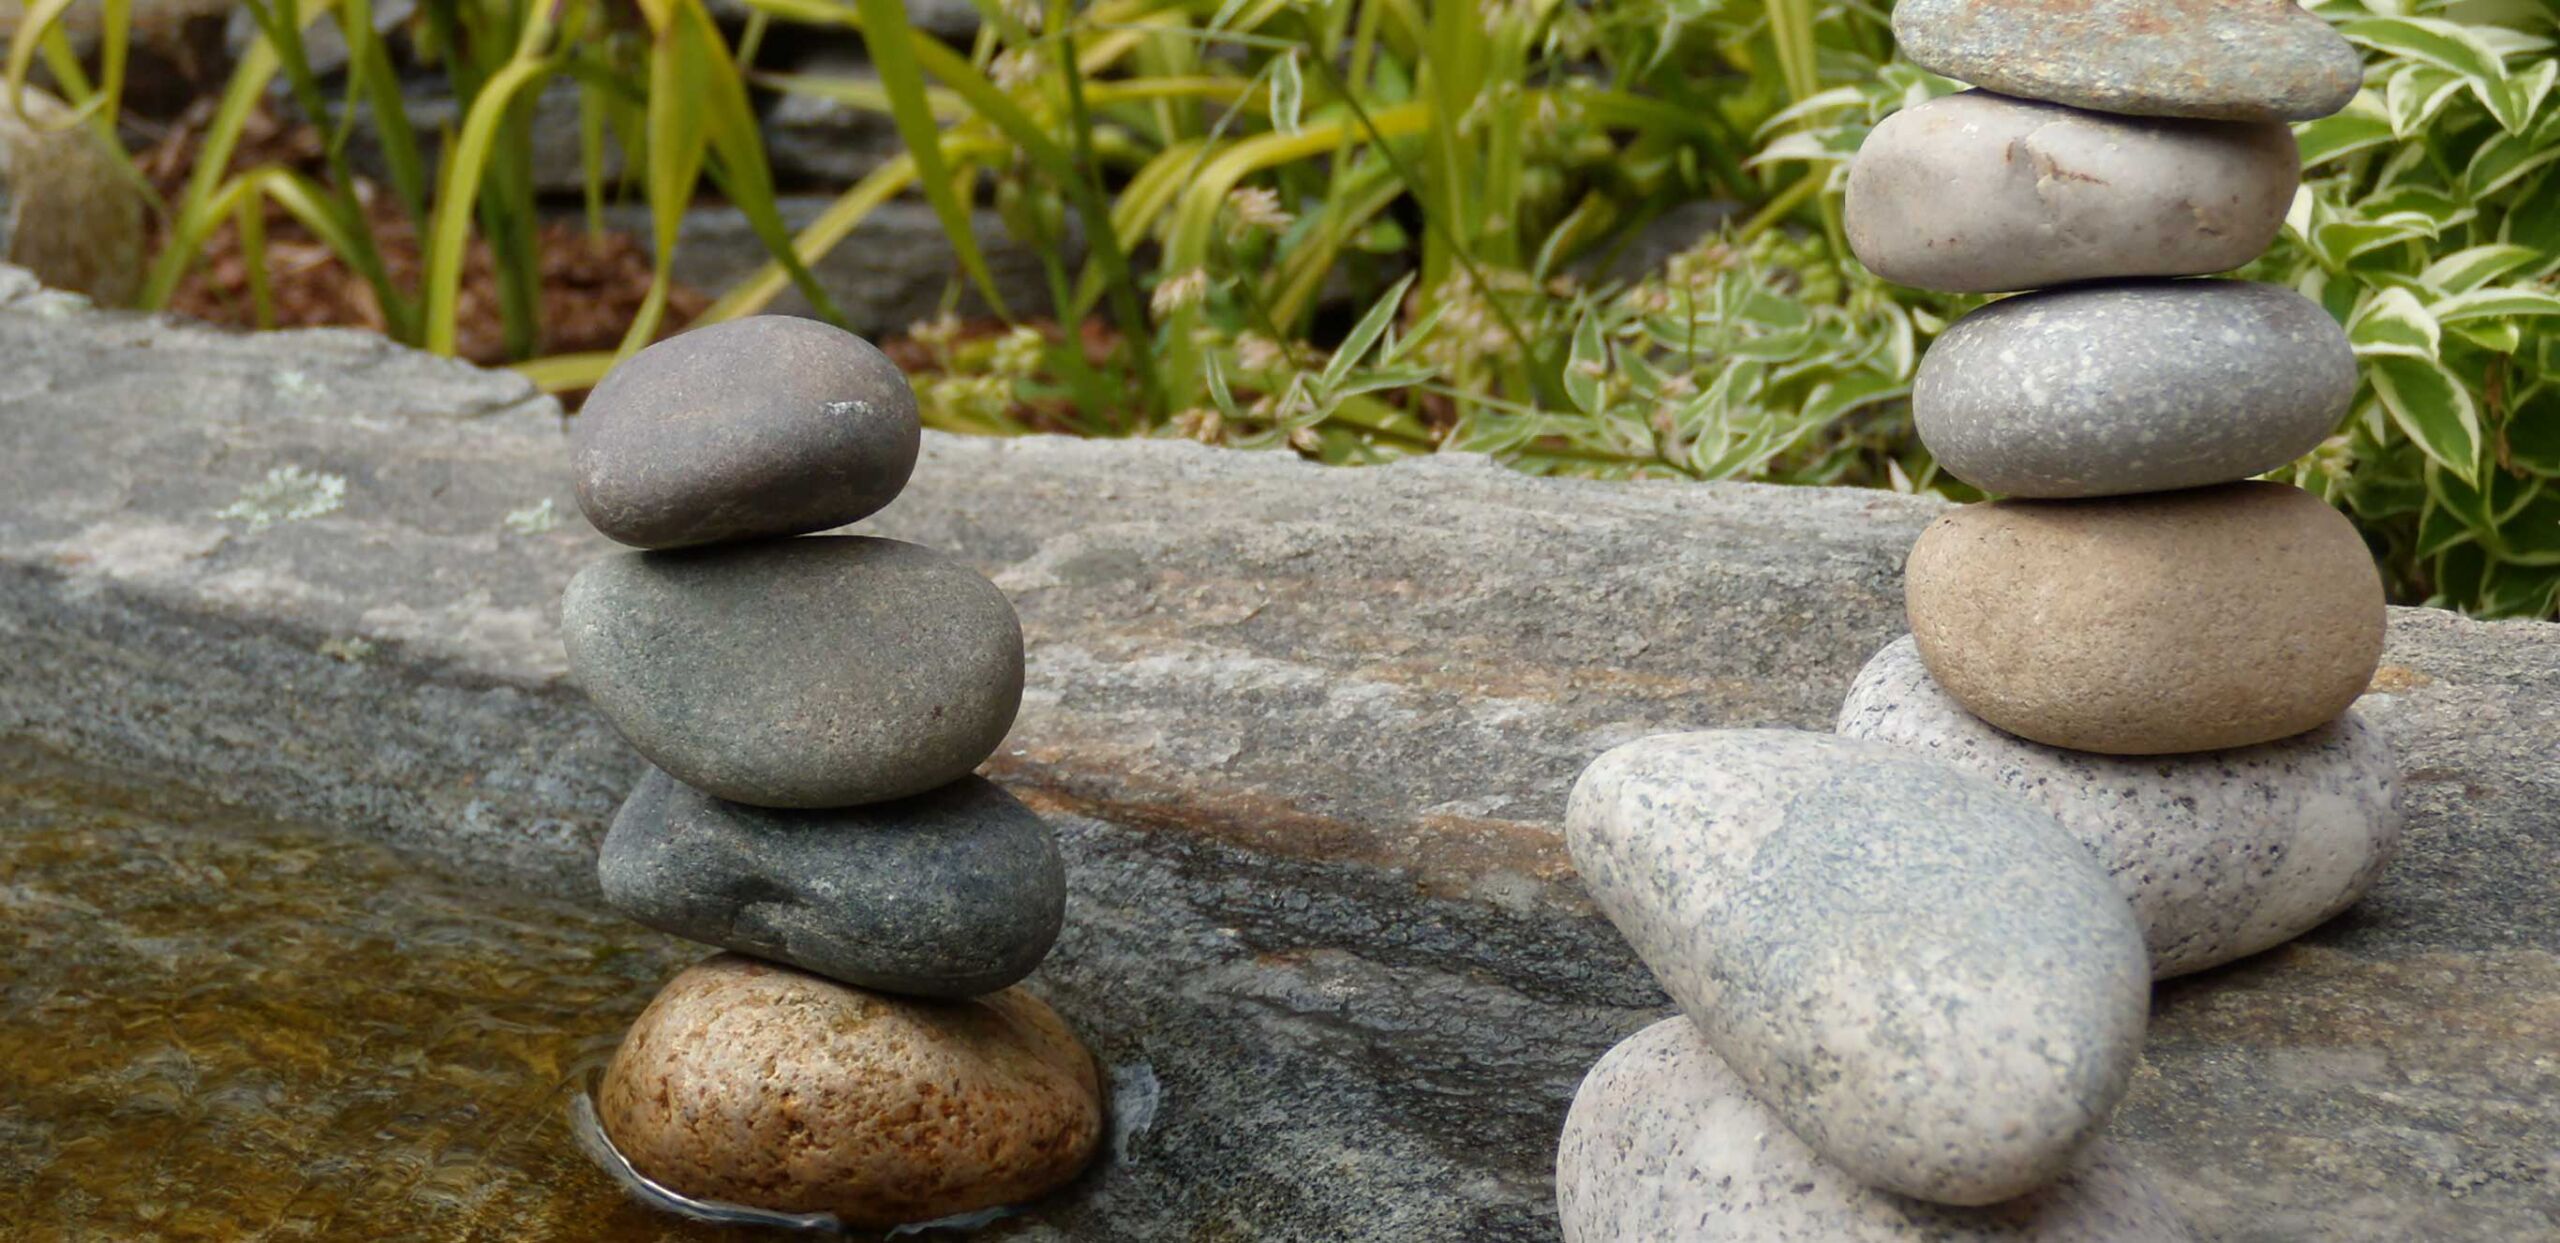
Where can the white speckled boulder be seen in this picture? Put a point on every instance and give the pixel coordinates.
(2222, 853)
(1665, 1145)
(1926, 978)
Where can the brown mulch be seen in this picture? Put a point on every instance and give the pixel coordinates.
(591, 284)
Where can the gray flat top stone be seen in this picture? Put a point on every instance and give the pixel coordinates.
(1306, 735)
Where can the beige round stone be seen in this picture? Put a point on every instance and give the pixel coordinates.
(758, 1084)
(2148, 625)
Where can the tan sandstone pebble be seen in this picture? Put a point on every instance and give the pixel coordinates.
(759, 1084)
(2147, 625)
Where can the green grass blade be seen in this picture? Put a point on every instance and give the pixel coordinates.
(736, 145)
(466, 162)
(895, 48)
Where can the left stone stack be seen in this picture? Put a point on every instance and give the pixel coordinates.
(814, 707)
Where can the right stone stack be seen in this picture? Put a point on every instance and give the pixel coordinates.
(2142, 638)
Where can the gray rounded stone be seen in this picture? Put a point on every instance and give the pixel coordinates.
(2145, 386)
(1926, 978)
(954, 892)
(825, 671)
(2228, 60)
(1665, 1143)
(1981, 193)
(770, 425)
(2221, 853)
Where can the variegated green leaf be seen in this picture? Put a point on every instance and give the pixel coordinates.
(2362, 127)
(2497, 300)
(2414, 95)
(2433, 409)
(2394, 323)
(1586, 367)
(2500, 161)
(1288, 94)
(2468, 269)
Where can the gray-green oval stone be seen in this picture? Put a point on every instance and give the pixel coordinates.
(824, 671)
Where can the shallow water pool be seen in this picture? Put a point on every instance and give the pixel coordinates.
(218, 1027)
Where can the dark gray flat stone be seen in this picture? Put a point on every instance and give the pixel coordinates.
(1305, 735)
(950, 893)
(2228, 60)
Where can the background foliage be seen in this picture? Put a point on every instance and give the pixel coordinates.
(1368, 228)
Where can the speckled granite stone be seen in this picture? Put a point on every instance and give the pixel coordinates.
(1925, 977)
(770, 425)
(758, 1084)
(2231, 60)
(825, 671)
(1980, 193)
(2149, 625)
(2222, 853)
(950, 893)
(1665, 1145)
(2142, 386)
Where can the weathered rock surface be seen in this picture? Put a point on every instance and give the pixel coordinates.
(820, 672)
(1925, 977)
(1664, 1142)
(950, 893)
(768, 425)
(2112, 389)
(2146, 625)
(1981, 193)
(756, 1084)
(1366, 990)
(2262, 60)
(2222, 853)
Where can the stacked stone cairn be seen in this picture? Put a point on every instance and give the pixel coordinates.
(1914, 955)
(813, 707)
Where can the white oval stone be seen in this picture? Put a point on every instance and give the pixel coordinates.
(1925, 977)
(1664, 1143)
(1981, 193)
(2221, 853)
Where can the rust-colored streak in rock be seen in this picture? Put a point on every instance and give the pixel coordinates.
(1446, 855)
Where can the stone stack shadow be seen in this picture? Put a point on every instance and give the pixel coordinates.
(1914, 956)
(813, 708)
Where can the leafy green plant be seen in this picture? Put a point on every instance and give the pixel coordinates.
(667, 81)
(1444, 165)
(2430, 225)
